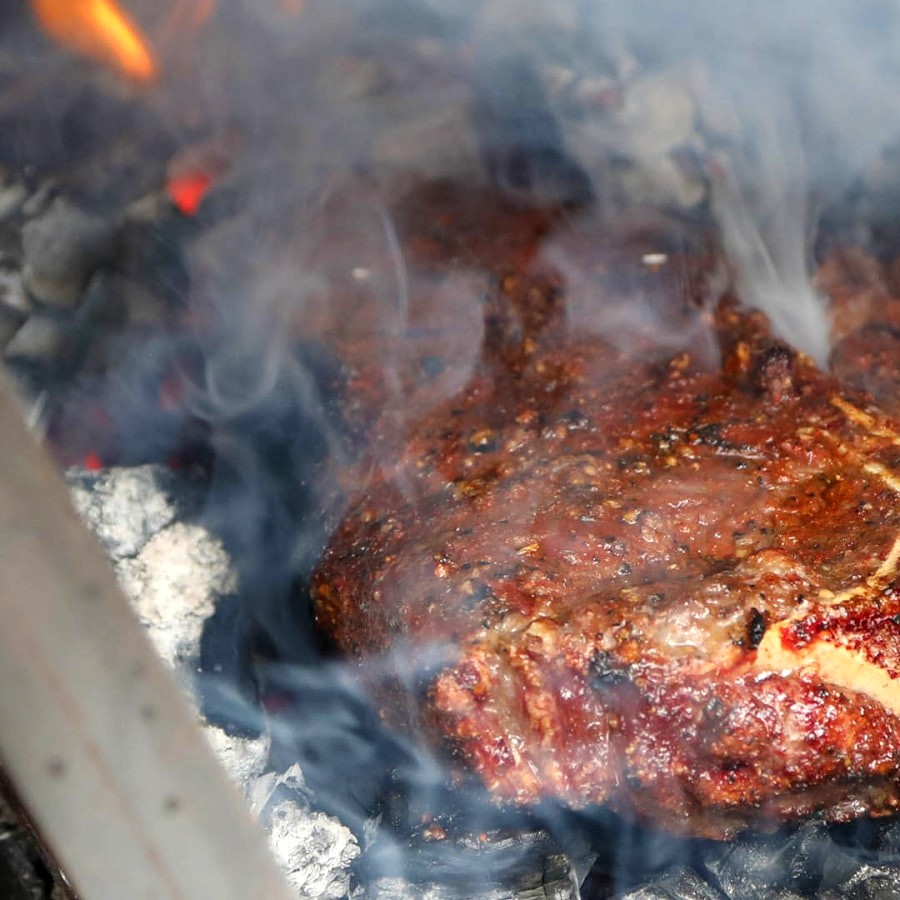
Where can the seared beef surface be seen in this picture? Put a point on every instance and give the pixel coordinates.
(654, 574)
(866, 322)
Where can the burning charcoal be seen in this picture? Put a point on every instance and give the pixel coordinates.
(868, 882)
(748, 869)
(38, 342)
(25, 873)
(647, 137)
(149, 253)
(887, 839)
(10, 323)
(392, 888)
(51, 346)
(808, 852)
(520, 138)
(117, 299)
(12, 293)
(499, 865)
(315, 849)
(37, 203)
(681, 883)
(843, 865)
(759, 867)
(12, 197)
(62, 247)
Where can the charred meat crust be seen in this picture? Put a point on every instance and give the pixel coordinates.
(610, 554)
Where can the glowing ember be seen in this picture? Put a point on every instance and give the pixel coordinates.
(101, 30)
(92, 462)
(187, 191)
(195, 169)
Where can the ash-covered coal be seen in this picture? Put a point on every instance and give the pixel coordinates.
(314, 850)
(178, 578)
(681, 883)
(172, 569)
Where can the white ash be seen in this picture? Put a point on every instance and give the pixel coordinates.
(314, 849)
(173, 583)
(125, 507)
(244, 758)
(173, 570)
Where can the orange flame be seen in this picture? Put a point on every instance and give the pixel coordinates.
(101, 30)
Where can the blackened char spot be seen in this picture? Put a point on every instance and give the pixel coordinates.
(756, 628)
(603, 671)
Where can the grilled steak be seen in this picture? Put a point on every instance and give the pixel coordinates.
(866, 317)
(660, 578)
